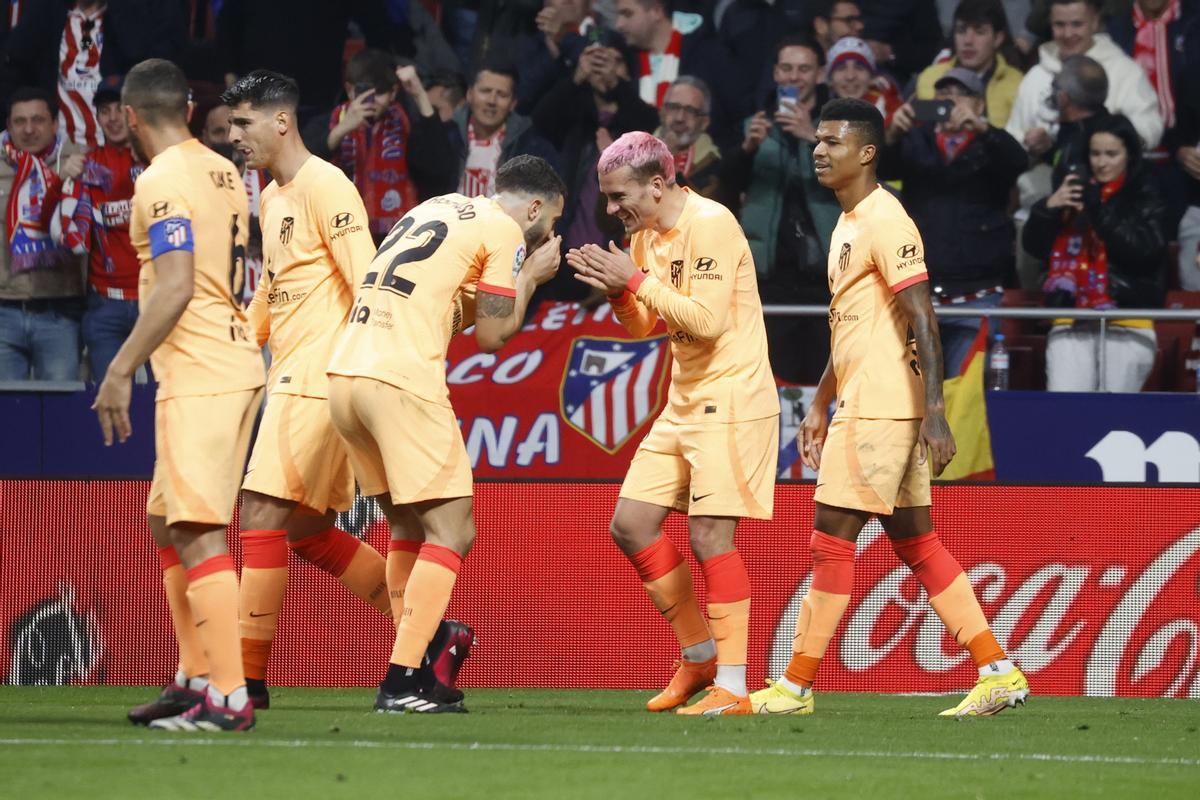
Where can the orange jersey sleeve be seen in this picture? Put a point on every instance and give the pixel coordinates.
(700, 278)
(315, 244)
(875, 252)
(191, 199)
(634, 315)
(422, 280)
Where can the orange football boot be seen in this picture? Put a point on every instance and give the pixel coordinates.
(718, 701)
(690, 678)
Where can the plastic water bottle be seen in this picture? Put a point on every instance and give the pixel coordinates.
(998, 365)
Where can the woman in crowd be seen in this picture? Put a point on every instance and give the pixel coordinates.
(1102, 234)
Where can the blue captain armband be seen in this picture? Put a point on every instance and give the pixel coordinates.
(171, 234)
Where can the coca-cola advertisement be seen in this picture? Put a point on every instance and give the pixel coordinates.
(1092, 590)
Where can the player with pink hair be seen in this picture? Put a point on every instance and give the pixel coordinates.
(711, 453)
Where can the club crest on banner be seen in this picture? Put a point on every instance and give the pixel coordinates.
(610, 387)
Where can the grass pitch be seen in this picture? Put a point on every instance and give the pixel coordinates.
(74, 742)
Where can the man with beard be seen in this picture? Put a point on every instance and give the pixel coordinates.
(189, 226)
(389, 365)
(685, 114)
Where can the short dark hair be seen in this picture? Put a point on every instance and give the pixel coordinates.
(823, 8)
(496, 68)
(864, 118)
(530, 175)
(263, 88)
(982, 12)
(1085, 82)
(28, 94)
(158, 90)
(374, 67)
(799, 40)
(1094, 5)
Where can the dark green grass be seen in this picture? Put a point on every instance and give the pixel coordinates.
(74, 742)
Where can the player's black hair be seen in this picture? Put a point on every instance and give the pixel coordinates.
(27, 94)
(864, 118)
(157, 90)
(530, 175)
(799, 40)
(263, 88)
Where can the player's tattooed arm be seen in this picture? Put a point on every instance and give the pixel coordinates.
(937, 441)
(494, 306)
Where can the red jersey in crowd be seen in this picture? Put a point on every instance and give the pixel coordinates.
(107, 187)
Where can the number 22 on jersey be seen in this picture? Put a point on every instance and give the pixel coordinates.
(417, 245)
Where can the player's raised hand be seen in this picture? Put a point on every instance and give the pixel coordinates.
(936, 443)
(542, 264)
(813, 431)
(112, 407)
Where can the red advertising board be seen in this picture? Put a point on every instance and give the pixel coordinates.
(1091, 589)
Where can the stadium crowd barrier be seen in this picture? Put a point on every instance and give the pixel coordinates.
(1092, 589)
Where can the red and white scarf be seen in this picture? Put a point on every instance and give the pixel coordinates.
(79, 76)
(951, 144)
(658, 72)
(1152, 52)
(31, 207)
(483, 161)
(1079, 261)
(379, 168)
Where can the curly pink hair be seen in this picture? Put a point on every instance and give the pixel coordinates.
(645, 154)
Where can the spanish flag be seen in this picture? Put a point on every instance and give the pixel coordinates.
(966, 412)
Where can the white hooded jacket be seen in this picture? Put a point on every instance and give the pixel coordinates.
(1129, 92)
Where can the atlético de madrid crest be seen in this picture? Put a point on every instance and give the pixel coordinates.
(611, 387)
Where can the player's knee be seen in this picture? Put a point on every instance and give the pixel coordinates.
(626, 533)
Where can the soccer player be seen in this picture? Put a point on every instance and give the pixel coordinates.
(388, 393)
(189, 226)
(885, 373)
(712, 452)
(316, 248)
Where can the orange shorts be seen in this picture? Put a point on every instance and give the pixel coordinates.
(399, 444)
(298, 455)
(200, 444)
(707, 469)
(871, 465)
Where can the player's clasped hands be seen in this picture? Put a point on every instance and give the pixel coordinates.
(813, 431)
(112, 407)
(609, 269)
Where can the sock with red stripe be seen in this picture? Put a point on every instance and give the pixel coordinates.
(425, 599)
(728, 588)
(260, 596)
(822, 609)
(667, 579)
(213, 596)
(953, 598)
(357, 566)
(193, 663)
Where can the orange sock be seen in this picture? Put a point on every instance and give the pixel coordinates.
(950, 595)
(260, 596)
(668, 581)
(357, 566)
(192, 660)
(823, 606)
(402, 555)
(213, 595)
(425, 599)
(728, 605)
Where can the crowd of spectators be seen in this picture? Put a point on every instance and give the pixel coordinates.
(1043, 145)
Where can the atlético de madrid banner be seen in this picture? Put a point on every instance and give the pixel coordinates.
(570, 395)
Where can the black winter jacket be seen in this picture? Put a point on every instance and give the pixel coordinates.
(1131, 226)
(960, 207)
